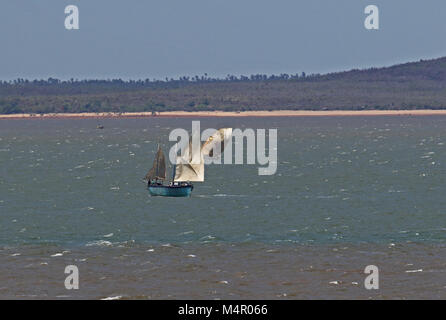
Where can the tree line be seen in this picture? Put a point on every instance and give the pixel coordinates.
(416, 85)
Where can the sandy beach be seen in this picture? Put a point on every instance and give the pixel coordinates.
(184, 114)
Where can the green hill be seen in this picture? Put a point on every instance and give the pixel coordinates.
(415, 85)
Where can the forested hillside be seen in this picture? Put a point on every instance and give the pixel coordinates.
(416, 85)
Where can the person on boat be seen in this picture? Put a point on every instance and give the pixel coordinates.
(154, 182)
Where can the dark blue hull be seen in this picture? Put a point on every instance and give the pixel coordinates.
(170, 191)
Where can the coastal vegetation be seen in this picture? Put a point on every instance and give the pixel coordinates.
(416, 85)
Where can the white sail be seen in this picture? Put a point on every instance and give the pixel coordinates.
(187, 171)
(214, 146)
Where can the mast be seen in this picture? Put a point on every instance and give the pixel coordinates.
(157, 162)
(174, 172)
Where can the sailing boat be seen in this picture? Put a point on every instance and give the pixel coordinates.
(156, 176)
(185, 170)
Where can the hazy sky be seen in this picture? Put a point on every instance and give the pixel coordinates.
(155, 39)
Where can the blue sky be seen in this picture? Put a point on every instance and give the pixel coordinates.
(170, 38)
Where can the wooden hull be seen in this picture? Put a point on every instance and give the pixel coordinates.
(170, 191)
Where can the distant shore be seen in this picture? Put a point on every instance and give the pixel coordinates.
(184, 114)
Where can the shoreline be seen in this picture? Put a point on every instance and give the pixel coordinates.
(185, 114)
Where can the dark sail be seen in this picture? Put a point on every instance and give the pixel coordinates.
(158, 170)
